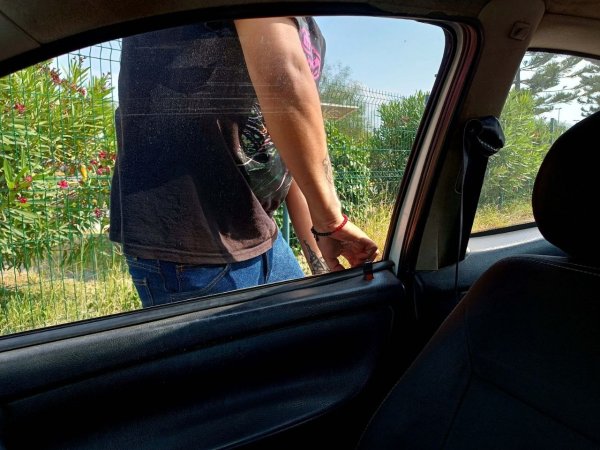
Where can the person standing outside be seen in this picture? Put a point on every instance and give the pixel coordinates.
(290, 103)
(186, 216)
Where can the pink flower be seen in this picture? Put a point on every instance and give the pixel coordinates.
(28, 178)
(22, 199)
(98, 212)
(93, 162)
(63, 184)
(100, 170)
(55, 76)
(102, 154)
(20, 107)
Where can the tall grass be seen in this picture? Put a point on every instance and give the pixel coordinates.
(91, 280)
(97, 283)
(47, 295)
(491, 217)
(376, 223)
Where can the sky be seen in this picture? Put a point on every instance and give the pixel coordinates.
(398, 55)
(395, 55)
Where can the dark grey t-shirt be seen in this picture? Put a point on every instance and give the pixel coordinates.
(179, 193)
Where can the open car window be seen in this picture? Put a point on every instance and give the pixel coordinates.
(550, 93)
(105, 172)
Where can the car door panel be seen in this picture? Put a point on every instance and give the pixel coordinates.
(209, 378)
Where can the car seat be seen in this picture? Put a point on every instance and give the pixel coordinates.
(517, 362)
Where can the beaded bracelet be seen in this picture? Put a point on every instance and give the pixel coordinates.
(316, 234)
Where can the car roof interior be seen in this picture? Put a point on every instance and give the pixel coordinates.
(24, 29)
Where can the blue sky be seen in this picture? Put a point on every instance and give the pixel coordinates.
(396, 55)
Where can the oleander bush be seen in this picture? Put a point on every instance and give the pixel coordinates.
(57, 150)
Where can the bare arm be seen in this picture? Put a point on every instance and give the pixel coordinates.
(290, 104)
(300, 215)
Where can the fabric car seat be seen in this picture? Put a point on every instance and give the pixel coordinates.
(516, 365)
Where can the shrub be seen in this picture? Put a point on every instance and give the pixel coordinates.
(56, 155)
(512, 171)
(393, 140)
(350, 161)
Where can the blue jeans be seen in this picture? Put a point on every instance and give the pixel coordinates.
(159, 282)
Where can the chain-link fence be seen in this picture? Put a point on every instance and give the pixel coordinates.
(58, 151)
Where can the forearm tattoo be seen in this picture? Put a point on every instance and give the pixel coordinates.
(328, 170)
(316, 263)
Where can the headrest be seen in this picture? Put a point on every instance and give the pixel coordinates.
(566, 194)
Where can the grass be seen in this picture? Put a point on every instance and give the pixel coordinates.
(376, 223)
(490, 217)
(35, 299)
(100, 285)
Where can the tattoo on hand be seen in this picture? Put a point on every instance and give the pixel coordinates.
(316, 263)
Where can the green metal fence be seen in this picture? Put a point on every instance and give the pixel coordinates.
(57, 153)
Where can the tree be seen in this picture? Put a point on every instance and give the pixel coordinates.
(512, 170)
(546, 77)
(589, 85)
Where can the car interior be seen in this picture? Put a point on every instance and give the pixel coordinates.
(453, 338)
(504, 357)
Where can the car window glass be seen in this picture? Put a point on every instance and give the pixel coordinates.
(550, 93)
(67, 250)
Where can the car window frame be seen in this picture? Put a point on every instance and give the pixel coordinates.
(73, 43)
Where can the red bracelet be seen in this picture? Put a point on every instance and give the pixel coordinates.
(316, 234)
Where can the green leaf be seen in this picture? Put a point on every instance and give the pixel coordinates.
(8, 174)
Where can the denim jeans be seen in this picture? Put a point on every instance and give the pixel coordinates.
(159, 282)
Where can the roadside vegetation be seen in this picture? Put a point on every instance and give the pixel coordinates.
(58, 152)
